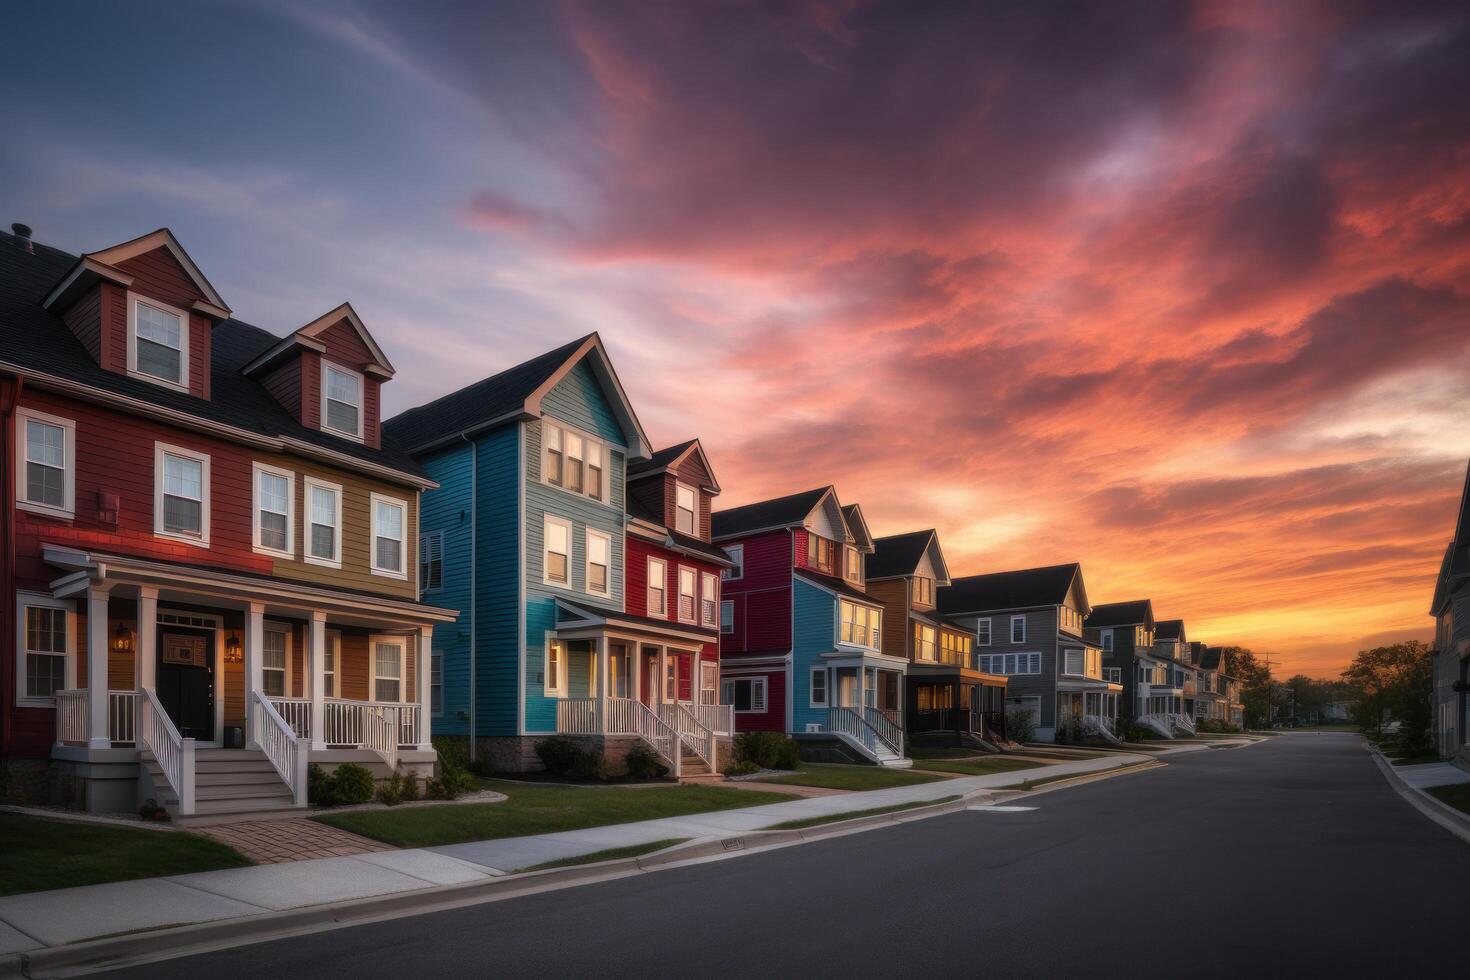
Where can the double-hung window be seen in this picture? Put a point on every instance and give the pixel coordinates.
(1018, 629)
(658, 587)
(275, 507)
(819, 687)
(558, 551)
(852, 565)
(686, 594)
(387, 670)
(923, 590)
(709, 599)
(324, 523)
(1073, 662)
(746, 694)
(389, 518)
(273, 646)
(181, 494)
(46, 482)
(727, 616)
(820, 552)
(599, 563)
(431, 561)
(860, 625)
(45, 648)
(686, 505)
(436, 684)
(555, 669)
(342, 401)
(158, 343)
(573, 462)
(736, 553)
(982, 632)
(924, 643)
(1107, 641)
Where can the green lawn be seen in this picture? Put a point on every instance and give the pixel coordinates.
(533, 809)
(849, 777)
(854, 814)
(942, 753)
(983, 766)
(38, 854)
(611, 854)
(1413, 760)
(1029, 784)
(1457, 796)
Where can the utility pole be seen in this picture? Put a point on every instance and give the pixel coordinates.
(1266, 658)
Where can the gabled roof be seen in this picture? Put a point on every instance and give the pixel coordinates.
(1022, 588)
(1210, 658)
(104, 265)
(857, 527)
(1132, 612)
(671, 457)
(512, 394)
(1169, 629)
(1454, 569)
(306, 337)
(767, 515)
(835, 584)
(37, 341)
(900, 554)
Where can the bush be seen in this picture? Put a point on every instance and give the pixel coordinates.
(452, 782)
(454, 750)
(1069, 731)
(1021, 725)
(401, 787)
(743, 768)
(590, 765)
(767, 750)
(348, 784)
(558, 753)
(644, 763)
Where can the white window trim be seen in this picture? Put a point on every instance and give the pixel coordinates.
(184, 327)
(587, 440)
(852, 564)
(1022, 619)
(436, 665)
(679, 594)
(663, 578)
(693, 531)
(738, 572)
(69, 460)
(276, 626)
(587, 562)
(727, 604)
(381, 498)
(159, 449)
(1062, 666)
(989, 634)
(255, 471)
(333, 643)
(811, 688)
(753, 681)
(546, 579)
(335, 561)
(709, 581)
(402, 644)
(22, 601)
(361, 434)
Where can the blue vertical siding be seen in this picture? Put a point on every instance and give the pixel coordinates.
(446, 510)
(814, 633)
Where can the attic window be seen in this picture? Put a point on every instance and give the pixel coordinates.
(158, 343)
(341, 401)
(684, 509)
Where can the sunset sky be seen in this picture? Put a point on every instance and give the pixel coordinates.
(1181, 292)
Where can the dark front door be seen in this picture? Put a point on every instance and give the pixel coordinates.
(186, 679)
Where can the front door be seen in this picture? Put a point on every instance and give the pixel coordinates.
(186, 687)
(847, 688)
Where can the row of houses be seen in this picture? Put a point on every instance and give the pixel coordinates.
(223, 565)
(1450, 608)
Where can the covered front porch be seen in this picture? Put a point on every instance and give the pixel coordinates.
(952, 705)
(864, 695)
(1093, 705)
(175, 666)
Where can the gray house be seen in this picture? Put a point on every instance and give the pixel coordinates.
(1153, 686)
(1028, 626)
(1451, 611)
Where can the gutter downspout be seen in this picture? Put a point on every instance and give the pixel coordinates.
(474, 589)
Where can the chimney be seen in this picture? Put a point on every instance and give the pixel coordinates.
(23, 236)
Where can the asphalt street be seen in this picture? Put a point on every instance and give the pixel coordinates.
(1289, 858)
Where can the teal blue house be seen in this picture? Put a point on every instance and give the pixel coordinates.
(525, 536)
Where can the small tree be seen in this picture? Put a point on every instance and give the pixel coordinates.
(1398, 679)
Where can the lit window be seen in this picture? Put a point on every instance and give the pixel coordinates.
(341, 401)
(684, 509)
(852, 566)
(573, 462)
(45, 484)
(924, 643)
(388, 531)
(329, 665)
(736, 553)
(181, 494)
(158, 347)
(709, 600)
(555, 663)
(273, 662)
(686, 594)
(923, 591)
(820, 552)
(599, 562)
(274, 503)
(387, 671)
(658, 587)
(324, 512)
(558, 551)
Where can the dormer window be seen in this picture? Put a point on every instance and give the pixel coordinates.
(923, 591)
(820, 553)
(853, 565)
(341, 401)
(574, 462)
(158, 343)
(684, 509)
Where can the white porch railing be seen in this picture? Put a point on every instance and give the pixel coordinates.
(296, 712)
(694, 736)
(173, 752)
(887, 730)
(380, 727)
(343, 720)
(122, 716)
(627, 716)
(846, 721)
(286, 750)
(73, 725)
(718, 718)
(577, 716)
(71, 716)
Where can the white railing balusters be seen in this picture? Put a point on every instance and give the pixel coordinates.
(71, 716)
(282, 746)
(122, 715)
(173, 753)
(297, 712)
(885, 728)
(577, 716)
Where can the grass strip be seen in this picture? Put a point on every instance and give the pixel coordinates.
(855, 814)
(611, 854)
(978, 767)
(829, 776)
(1457, 795)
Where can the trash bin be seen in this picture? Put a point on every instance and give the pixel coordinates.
(234, 737)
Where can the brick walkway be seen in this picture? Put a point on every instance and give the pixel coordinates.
(279, 841)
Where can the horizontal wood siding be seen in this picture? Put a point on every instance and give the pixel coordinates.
(897, 632)
(157, 274)
(285, 385)
(498, 602)
(84, 317)
(773, 719)
(639, 550)
(815, 634)
(761, 597)
(578, 400)
(446, 511)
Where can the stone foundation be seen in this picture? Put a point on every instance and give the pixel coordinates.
(822, 747)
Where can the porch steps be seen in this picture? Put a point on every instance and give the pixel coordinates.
(693, 770)
(229, 785)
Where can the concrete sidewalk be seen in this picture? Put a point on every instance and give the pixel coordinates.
(70, 915)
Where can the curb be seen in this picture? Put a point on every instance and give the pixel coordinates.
(112, 952)
(1443, 814)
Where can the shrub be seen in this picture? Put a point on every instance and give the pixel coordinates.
(318, 786)
(768, 750)
(454, 750)
(401, 787)
(558, 753)
(452, 782)
(590, 765)
(742, 768)
(1069, 731)
(1021, 725)
(351, 784)
(644, 763)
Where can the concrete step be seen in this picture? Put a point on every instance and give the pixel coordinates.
(237, 811)
(236, 778)
(251, 791)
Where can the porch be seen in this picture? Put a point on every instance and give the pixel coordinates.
(955, 706)
(1093, 705)
(863, 694)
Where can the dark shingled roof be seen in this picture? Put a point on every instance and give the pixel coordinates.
(897, 554)
(1210, 658)
(37, 338)
(612, 615)
(780, 512)
(1119, 614)
(659, 459)
(478, 403)
(1168, 629)
(1017, 589)
(839, 585)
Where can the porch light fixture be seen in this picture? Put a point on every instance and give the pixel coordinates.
(234, 654)
(122, 639)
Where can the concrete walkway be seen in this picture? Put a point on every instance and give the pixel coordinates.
(70, 915)
(1432, 774)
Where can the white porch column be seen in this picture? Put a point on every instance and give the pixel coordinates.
(254, 663)
(423, 662)
(663, 675)
(602, 679)
(97, 732)
(146, 649)
(317, 652)
(636, 667)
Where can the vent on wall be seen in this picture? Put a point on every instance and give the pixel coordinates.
(107, 506)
